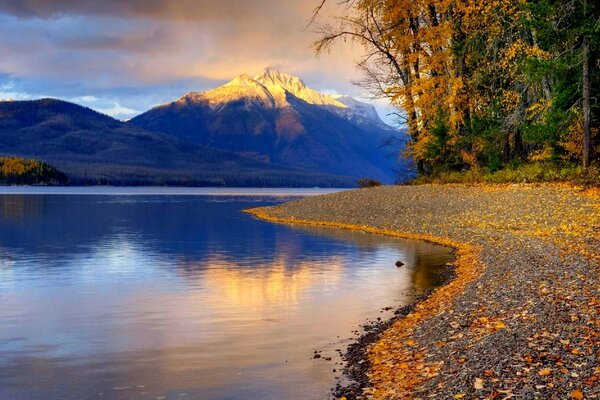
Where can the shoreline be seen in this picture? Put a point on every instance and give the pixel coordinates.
(494, 330)
(461, 271)
(164, 190)
(356, 356)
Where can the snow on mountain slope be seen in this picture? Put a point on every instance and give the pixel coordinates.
(358, 111)
(243, 88)
(276, 80)
(271, 89)
(364, 110)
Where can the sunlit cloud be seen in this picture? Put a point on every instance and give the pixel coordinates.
(118, 111)
(117, 50)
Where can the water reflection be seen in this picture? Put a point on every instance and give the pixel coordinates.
(184, 297)
(279, 282)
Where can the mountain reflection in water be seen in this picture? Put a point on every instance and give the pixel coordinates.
(137, 297)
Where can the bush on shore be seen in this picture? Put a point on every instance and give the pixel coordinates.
(367, 183)
(526, 173)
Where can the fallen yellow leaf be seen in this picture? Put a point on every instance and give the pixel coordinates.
(478, 384)
(576, 394)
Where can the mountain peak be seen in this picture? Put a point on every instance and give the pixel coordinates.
(272, 88)
(271, 76)
(242, 88)
(275, 80)
(243, 79)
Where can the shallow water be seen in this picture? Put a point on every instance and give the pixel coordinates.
(177, 294)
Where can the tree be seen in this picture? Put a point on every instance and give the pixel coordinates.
(586, 103)
(14, 170)
(481, 84)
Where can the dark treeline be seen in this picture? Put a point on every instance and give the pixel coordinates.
(484, 85)
(141, 177)
(21, 171)
(213, 175)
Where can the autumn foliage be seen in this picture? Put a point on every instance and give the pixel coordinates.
(483, 84)
(14, 170)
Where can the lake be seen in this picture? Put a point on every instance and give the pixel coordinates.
(146, 293)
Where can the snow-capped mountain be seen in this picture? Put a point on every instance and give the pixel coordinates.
(270, 90)
(277, 118)
(241, 89)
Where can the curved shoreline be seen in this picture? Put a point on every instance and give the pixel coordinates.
(356, 356)
(466, 269)
(465, 340)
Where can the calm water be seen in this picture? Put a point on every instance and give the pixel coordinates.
(176, 294)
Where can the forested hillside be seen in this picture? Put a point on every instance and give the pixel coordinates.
(484, 85)
(92, 148)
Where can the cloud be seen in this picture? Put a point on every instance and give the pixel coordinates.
(199, 10)
(118, 111)
(84, 99)
(154, 40)
(119, 49)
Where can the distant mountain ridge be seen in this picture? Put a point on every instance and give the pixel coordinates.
(93, 148)
(277, 118)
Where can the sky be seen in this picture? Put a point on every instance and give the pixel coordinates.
(122, 57)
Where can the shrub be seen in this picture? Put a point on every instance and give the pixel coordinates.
(537, 172)
(368, 182)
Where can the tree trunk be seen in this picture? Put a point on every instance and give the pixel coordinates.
(421, 167)
(586, 105)
(506, 149)
(518, 148)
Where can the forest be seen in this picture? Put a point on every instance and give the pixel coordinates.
(484, 87)
(20, 171)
